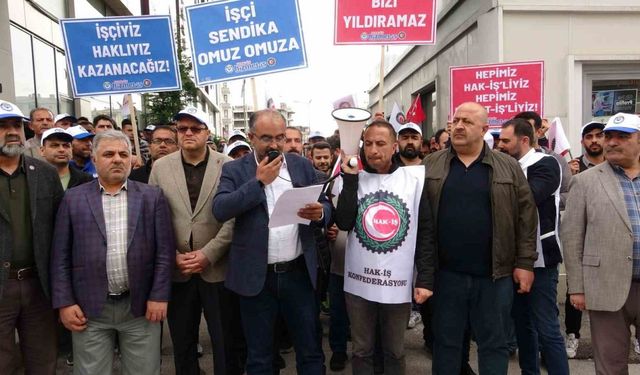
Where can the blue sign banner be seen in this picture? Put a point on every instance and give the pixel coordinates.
(233, 39)
(117, 55)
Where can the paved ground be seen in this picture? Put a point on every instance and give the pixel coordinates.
(418, 360)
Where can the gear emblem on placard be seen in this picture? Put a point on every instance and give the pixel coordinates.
(382, 222)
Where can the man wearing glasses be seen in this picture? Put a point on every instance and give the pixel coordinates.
(272, 269)
(163, 142)
(189, 179)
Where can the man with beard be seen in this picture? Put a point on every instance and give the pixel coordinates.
(321, 157)
(163, 142)
(81, 150)
(535, 314)
(409, 144)
(592, 141)
(293, 140)
(56, 150)
(30, 192)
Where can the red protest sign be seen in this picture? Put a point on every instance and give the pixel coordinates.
(385, 22)
(503, 89)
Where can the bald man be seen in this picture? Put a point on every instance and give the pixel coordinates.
(486, 224)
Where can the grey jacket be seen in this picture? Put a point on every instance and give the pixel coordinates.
(597, 239)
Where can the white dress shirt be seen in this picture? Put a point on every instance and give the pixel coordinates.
(284, 242)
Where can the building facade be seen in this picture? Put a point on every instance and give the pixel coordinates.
(34, 71)
(590, 50)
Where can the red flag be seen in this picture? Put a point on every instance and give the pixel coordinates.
(415, 113)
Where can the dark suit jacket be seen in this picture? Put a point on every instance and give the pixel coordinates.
(78, 264)
(78, 177)
(544, 180)
(241, 196)
(45, 193)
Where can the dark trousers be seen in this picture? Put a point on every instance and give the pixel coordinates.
(364, 315)
(339, 321)
(221, 311)
(610, 334)
(538, 326)
(572, 318)
(481, 303)
(291, 294)
(24, 307)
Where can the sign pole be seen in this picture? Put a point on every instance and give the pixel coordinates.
(134, 125)
(381, 86)
(255, 96)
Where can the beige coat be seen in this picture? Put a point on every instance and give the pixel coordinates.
(597, 239)
(213, 237)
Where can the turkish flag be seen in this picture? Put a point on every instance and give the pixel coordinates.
(415, 113)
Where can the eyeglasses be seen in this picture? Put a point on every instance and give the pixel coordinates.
(267, 139)
(194, 129)
(166, 141)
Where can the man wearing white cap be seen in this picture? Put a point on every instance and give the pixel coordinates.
(601, 242)
(64, 121)
(238, 149)
(315, 137)
(56, 150)
(409, 143)
(81, 150)
(237, 135)
(30, 193)
(189, 180)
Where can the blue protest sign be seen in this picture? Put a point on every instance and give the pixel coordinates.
(117, 55)
(233, 39)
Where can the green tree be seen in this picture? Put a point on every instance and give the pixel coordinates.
(162, 106)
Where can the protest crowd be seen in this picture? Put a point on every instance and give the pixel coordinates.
(464, 231)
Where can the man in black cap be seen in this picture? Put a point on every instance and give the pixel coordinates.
(593, 142)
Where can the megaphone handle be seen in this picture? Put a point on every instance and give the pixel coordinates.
(353, 162)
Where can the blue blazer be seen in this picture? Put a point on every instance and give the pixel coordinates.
(241, 196)
(79, 255)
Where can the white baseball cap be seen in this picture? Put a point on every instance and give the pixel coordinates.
(410, 126)
(150, 128)
(315, 134)
(8, 110)
(238, 133)
(79, 132)
(194, 113)
(63, 116)
(58, 133)
(623, 122)
(237, 144)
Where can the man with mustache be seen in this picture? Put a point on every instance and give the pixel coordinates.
(409, 144)
(600, 235)
(321, 157)
(162, 143)
(593, 142)
(293, 140)
(30, 192)
(484, 194)
(112, 257)
(56, 150)
(536, 313)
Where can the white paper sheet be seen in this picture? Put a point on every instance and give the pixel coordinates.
(286, 209)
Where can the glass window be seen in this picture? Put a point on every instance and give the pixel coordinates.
(23, 69)
(57, 8)
(63, 76)
(89, 9)
(45, 69)
(609, 97)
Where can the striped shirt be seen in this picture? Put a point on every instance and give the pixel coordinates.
(114, 207)
(631, 191)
